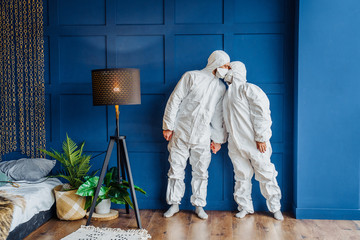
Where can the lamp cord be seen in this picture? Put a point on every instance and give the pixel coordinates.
(98, 155)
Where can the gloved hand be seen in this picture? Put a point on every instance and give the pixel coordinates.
(215, 147)
(167, 134)
(261, 146)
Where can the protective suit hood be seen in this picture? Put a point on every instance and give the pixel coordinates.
(217, 59)
(237, 73)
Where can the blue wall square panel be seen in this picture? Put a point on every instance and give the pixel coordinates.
(143, 52)
(259, 11)
(81, 12)
(139, 12)
(263, 56)
(143, 121)
(149, 173)
(79, 55)
(200, 11)
(193, 51)
(82, 121)
(277, 115)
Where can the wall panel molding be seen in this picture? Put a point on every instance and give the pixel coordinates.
(164, 38)
(81, 12)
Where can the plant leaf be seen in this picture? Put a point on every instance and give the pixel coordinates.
(103, 192)
(115, 174)
(117, 192)
(108, 178)
(128, 201)
(127, 185)
(88, 202)
(120, 197)
(117, 200)
(88, 188)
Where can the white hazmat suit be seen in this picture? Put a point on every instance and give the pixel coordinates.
(194, 114)
(247, 120)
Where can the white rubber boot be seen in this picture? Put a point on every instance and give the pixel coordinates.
(172, 210)
(241, 214)
(278, 216)
(201, 213)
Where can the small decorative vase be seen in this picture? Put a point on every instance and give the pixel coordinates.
(103, 207)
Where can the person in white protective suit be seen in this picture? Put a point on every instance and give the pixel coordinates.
(193, 118)
(247, 119)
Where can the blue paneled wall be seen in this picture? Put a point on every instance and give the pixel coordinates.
(328, 110)
(165, 38)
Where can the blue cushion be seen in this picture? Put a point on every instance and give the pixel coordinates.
(3, 179)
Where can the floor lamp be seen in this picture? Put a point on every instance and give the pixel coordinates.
(116, 86)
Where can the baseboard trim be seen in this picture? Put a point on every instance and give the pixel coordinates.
(326, 213)
(225, 205)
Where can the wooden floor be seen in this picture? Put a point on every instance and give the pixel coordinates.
(220, 225)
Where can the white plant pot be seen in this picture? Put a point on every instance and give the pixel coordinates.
(103, 207)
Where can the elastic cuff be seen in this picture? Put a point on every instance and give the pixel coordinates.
(261, 139)
(173, 202)
(167, 126)
(248, 210)
(274, 211)
(218, 140)
(263, 136)
(196, 203)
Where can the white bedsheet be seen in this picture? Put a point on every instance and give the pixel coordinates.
(39, 197)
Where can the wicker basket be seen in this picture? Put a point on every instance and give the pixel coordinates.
(69, 205)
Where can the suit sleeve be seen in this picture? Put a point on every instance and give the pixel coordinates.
(218, 131)
(172, 107)
(259, 107)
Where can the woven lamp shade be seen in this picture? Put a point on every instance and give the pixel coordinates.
(116, 86)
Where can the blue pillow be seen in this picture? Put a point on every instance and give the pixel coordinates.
(3, 179)
(28, 169)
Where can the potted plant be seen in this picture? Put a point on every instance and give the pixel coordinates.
(74, 168)
(111, 191)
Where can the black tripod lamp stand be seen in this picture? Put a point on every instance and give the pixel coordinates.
(117, 86)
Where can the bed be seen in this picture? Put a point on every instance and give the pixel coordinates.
(39, 205)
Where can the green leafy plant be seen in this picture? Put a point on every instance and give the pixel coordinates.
(111, 189)
(74, 164)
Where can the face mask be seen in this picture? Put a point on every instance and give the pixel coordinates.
(221, 72)
(229, 77)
